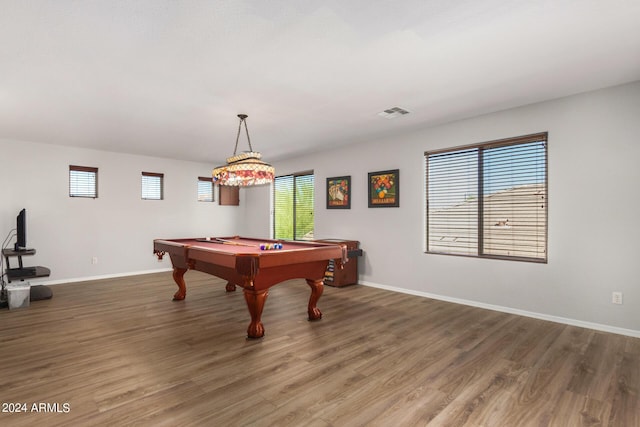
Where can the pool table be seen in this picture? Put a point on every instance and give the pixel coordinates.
(242, 262)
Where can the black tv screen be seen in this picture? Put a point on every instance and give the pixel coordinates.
(21, 230)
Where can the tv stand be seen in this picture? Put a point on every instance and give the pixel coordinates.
(38, 292)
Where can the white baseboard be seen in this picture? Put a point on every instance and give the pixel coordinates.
(541, 316)
(104, 276)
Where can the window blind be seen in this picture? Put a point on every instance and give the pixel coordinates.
(152, 186)
(205, 189)
(453, 202)
(283, 207)
(83, 181)
(514, 208)
(293, 206)
(489, 200)
(304, 220)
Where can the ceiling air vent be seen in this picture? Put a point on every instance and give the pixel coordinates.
(392, 113)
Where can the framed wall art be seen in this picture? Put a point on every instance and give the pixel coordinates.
(384, 189)
(339, 192)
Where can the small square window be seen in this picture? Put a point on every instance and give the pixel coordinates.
(205, 189)
(152, 186)
(83, 181)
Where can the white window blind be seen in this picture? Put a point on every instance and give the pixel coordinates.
(205, 189)
(152, 186)
(283, 207)
(304, 220)
(293, 207)
(453, 202)
(489, 200)
(83, 181)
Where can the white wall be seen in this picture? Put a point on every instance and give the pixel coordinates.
(256, 220)
(594, 209)
(118, 227)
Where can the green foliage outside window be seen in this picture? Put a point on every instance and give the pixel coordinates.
(293, 201)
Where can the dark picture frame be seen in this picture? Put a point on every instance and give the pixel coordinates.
(339, 192)
(384, 189)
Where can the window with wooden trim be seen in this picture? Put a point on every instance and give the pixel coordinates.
(489, 200)
(83, 181)
(152, 186)
(293, 200)
(205, 189)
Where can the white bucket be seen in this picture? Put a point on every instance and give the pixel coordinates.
(18, 295)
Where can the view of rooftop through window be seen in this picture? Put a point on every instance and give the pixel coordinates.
(489, 200)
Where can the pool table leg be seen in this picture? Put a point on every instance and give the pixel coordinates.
(317, 286)
(178, 277)
(255, 303)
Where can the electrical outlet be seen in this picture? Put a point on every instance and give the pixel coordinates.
(94, 260)
(616, 297)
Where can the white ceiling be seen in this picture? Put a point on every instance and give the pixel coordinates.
(167, 78)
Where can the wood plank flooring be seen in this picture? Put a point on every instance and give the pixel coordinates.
(121, 352)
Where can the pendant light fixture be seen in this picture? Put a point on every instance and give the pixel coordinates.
(244, 169)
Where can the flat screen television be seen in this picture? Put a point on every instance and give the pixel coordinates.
(21, 231)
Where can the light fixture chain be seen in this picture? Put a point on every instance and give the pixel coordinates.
(247, 130)
(235, 150)
(242, 120)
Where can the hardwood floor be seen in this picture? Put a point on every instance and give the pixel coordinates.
(120, 352)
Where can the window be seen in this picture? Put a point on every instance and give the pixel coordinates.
(205, 189)
(83, 181)
(489, 200)
(152, 186)
(293, 207)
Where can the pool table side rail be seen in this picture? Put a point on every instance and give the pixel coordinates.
(171, 247)
(223, 255)
(339, 249)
